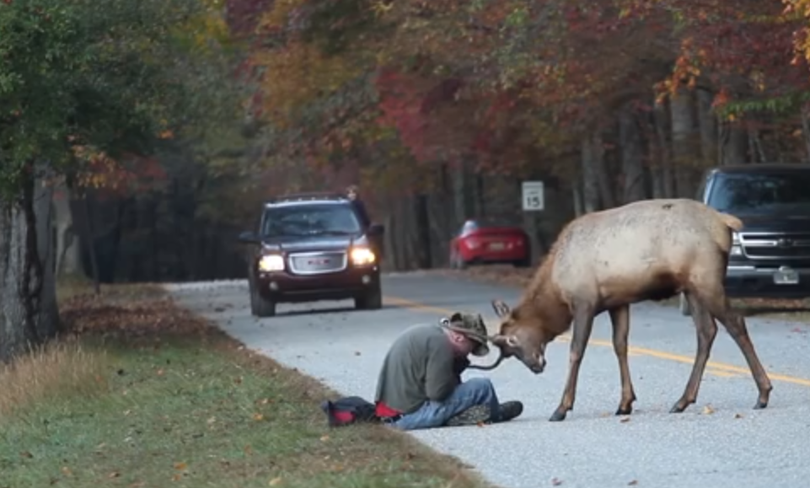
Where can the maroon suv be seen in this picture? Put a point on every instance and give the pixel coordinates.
(313, 247)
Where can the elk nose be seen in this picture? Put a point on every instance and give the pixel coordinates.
(539, 366)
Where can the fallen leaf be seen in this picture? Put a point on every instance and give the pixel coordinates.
(114, 474)
(238, 380)
(211, 420)
(324, 438)
(556, 482)
(176, 477)
(26, 454)
(708, 410)
(180, 466)
(274, 482)
(66, 471)
(258, 417)
(160, 372)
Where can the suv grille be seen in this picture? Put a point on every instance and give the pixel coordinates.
(310, 263)
(774, 246)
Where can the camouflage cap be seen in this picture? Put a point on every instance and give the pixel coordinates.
(472, 326)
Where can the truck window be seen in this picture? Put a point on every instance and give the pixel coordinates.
(761, 193)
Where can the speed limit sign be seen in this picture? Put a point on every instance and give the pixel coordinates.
(533, 197)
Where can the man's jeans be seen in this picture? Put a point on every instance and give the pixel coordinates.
(475, 391)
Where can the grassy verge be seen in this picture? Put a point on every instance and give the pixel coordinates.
(782, 309)
(145, 394)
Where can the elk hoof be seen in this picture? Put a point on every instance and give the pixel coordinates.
(624, 411)
(760, 405)
(677, 408)
(557, 416)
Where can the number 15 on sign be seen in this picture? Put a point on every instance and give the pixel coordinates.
(533, 197)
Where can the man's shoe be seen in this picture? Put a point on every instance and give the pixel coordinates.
(509, 410)
(472, 416)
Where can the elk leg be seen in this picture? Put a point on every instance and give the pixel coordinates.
(706, 330)
(735, 324)
(583, 324)
(620, 319)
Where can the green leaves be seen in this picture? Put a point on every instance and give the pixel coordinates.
(110, 74)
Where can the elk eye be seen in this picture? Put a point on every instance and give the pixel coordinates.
(511, 341)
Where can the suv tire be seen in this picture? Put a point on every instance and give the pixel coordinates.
(260, 307)
(371, 300)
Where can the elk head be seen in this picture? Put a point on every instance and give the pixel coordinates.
(521, 335)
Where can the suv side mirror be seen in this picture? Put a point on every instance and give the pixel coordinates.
(376, 229)
(248, 237)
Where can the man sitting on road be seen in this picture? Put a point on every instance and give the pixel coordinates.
(420, 387)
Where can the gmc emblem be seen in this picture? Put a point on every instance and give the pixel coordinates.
(784, 242)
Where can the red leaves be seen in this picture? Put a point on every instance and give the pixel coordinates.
(112, 177)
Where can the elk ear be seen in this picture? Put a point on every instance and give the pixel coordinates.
(501, 308)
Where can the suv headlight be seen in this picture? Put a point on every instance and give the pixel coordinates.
(361, 256)
(736, 250)
(271, 262)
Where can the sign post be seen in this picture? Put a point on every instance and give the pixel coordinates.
(533, 196)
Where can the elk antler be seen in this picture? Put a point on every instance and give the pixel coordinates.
(496, 339)
(491, 366)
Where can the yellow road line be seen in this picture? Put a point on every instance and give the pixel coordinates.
(713, 367)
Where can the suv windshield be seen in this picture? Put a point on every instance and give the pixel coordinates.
(754, 193)
(304, 220)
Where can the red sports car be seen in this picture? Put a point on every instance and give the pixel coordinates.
(483, 241)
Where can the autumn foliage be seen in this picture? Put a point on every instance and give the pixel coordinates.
(494, 81)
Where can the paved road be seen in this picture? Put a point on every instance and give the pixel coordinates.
(732, 446)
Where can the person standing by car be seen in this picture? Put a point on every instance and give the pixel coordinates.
(359, 206)
(420, 387)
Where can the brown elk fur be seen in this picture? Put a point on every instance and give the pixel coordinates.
(608, 260)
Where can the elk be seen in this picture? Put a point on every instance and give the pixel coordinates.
(607, 260)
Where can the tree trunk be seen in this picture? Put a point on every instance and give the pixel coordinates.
(683, 131)
(604, 181)
(28, 312)
(708, 128)
(576, 195)
(422, 218)
(459, 193)
(68, 252)
(662, 125)
(590, 177)
(806, 131)
(48, 323)
(733, 144)
(631, 153)
(16, 332)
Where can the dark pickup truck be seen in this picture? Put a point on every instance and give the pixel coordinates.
(310, 247)
(770, 257)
